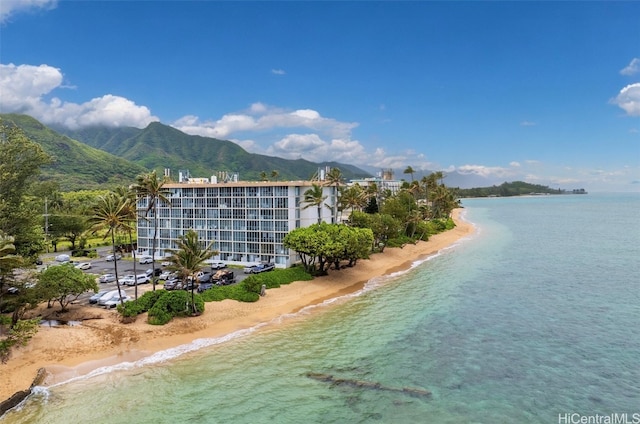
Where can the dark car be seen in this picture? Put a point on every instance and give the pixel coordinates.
(205, 286)
(205, 277)
(173, 284)
(223, 278)
(263, 268)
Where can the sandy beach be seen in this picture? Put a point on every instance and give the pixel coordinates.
(101, 339)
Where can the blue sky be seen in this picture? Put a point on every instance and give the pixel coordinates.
(547, 92)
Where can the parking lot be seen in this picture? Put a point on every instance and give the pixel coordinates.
(100, 266)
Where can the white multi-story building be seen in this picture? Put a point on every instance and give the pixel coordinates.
(246, 221)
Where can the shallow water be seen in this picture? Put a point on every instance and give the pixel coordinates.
(538, 314)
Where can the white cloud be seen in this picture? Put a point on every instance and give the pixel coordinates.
(486, 171)
(629, 99)
(632, 68)
(278, 72)
(11, 7)
(25, 89)
(528, 124)
(324, 138)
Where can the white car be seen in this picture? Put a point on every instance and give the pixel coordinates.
(113, 294)
(218, 265)
(145, 259)
(125, 279)
(166, 263)
(165, 275)
(94, 299)
(107, 278)
(116, 301)
(115, 257)
(132, 281)
(84, 265)
(250, 268)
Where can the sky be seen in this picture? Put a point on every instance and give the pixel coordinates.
(544, 92)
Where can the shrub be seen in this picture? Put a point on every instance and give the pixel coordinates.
(172, 304)
(275, 278)
(400, 241)
(235, 292)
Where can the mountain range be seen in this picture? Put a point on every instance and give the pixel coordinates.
(103, 157)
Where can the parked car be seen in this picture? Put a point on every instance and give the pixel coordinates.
(145, 259)
(110, 295)
(115, 301)
(84, 265)
(218, 265)
(139, 279)
(249, 269)
(190, 285)
(94, 299)
(107, 278)
(203, 277)
(165, 275)
(125, 279)
(63, 258)
(223, 278)
(116, 257)
(173, 284)
(205, 286)
(263, 268)
(149, 272)
(166, 263)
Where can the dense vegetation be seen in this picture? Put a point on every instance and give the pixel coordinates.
(516, 188)
(74, 165)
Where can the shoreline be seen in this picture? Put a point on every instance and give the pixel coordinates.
(72, 351)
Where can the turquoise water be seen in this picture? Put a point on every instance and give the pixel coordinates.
(536, 315)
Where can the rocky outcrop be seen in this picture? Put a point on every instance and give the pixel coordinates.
(18, 397)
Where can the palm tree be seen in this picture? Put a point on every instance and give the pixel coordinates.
(130, 210)
(275, 174)
(110, 214)
(189, 258)
(263, 176)
(315, 197)
(409, 170)
(334, 178)
(152, 187)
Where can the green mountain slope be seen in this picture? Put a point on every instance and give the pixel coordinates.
(76, 165)
(160, 146)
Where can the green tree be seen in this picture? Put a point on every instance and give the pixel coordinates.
(64, 284)
(20, 163)
(275, 174)
(152, 187)
(383, 227)
(110, 215)
(315, 197)
(320, 245)
(189, 258)
(306, 242)
(71, 227)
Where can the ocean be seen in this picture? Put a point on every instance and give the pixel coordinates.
(535, 318)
